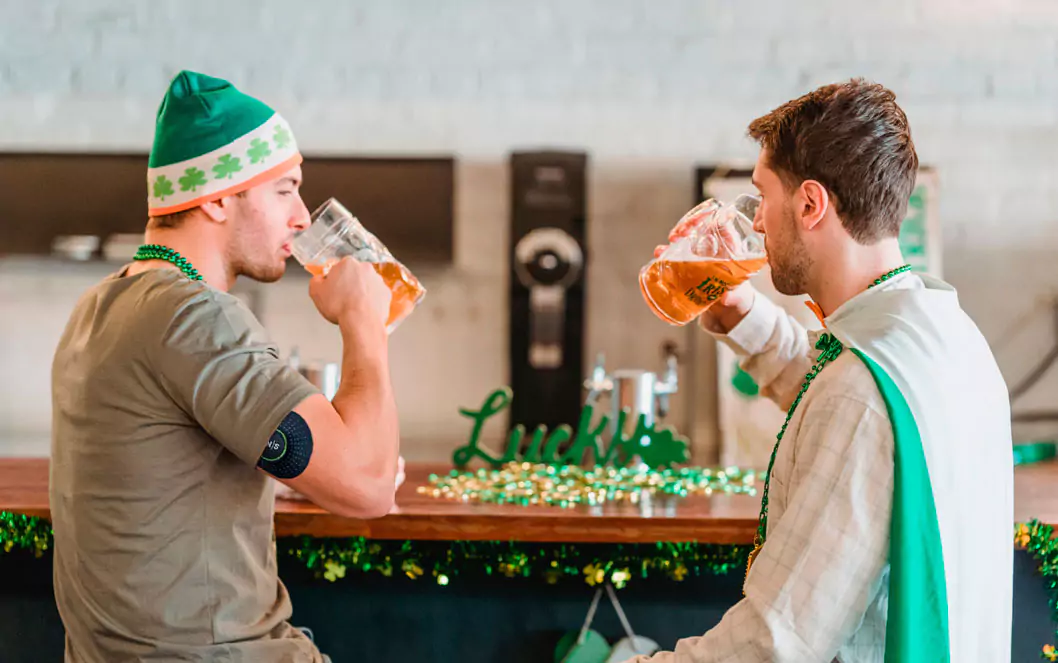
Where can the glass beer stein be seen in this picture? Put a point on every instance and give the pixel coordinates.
(335, 233)
(719, 252)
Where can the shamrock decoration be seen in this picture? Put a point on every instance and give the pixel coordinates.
(192, 179)
(553, 574)
(282, 137)
(661, 448)
(163, 187)
(385, 568)
(334, 570)
(1022, 536)
(258, 150)
(411, 569)
(595, 574)
(829, 347)
(227, 166)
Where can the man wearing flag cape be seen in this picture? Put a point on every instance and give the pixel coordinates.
(885, 522)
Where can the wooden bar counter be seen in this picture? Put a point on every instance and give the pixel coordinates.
(480, 618)
(723, 519)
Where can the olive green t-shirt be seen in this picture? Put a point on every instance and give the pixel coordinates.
(164, 394)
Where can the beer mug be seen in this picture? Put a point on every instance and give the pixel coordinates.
(720, 252)
(335, 233)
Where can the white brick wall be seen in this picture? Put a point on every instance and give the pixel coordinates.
(647, 87)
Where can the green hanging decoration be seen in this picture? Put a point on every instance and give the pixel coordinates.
(744, 383)
(445, 561)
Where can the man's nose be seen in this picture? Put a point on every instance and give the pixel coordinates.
(301, 216)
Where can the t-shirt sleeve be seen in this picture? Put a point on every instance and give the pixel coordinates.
(219, 365)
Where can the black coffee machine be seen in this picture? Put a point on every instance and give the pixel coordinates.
(548, 256)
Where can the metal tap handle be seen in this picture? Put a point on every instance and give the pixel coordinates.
(599, 382)
(670, 382)
(663, 406)
(599, 372)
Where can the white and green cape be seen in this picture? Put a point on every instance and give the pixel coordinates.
(951, 560)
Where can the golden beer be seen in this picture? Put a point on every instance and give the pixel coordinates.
(678, 292)
(406, 289)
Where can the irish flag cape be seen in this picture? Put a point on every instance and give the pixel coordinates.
(950, 554)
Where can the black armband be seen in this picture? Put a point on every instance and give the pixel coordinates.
(288, 450)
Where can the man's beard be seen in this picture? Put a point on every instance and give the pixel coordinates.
(789, 267)
(260, 271)
(263, 273)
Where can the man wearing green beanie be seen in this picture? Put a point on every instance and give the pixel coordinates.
(172, 411)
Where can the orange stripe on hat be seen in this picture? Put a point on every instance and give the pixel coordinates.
(270, 174)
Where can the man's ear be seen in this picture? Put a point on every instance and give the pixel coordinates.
(218, 210)
(815, 201)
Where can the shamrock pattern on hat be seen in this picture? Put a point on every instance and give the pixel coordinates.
(282, 137)
(163, 187)
(227, 166)
(258, 150)
(192, 179)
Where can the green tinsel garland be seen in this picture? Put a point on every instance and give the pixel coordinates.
(1040, 542)
(331, 559)
(445, 560)
(24, 532)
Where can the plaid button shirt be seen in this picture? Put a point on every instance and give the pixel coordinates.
(819, 589)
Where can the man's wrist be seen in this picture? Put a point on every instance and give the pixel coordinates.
(750, 335)
(359, 324)
(722, 319)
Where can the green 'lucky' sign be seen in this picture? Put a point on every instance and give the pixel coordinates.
(656, 447)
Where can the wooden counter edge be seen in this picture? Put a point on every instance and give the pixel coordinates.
(529, 528)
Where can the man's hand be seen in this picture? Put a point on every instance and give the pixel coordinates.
(713, 239)
(721, 242)
(689, 223)
(351, 290)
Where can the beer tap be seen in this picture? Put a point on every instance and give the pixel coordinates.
(640, 392)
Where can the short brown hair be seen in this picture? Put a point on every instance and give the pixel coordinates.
(173, 220)
(853, 139)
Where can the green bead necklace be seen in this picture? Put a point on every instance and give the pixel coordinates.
(159, 252)
(890, 274)
(830, 348)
